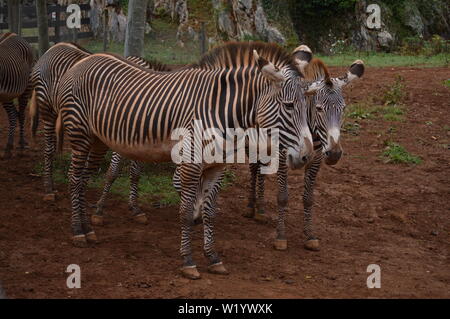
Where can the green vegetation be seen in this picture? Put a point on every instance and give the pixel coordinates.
(396, 93)
(378, 59)
(397, 154)
(447, 83)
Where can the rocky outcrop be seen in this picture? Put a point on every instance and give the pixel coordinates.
(244, 19)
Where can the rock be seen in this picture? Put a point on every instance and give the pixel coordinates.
(385, 39)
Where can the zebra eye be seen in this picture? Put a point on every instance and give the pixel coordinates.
(289, 105)
(319, 107)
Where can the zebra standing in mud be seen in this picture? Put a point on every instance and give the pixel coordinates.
(107, 102)
(45, 75)
(16, 62)
(325, 117)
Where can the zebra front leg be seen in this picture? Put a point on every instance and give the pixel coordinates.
(113, 172)
(189, 180)
(135, 174)
(49, 152)
(251, 206)
(12, 119)
(211, 182)
(311, 243)
(282, 203)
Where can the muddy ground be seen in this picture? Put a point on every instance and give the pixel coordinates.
(366, 212)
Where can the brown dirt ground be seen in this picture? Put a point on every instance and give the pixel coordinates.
(366, 212)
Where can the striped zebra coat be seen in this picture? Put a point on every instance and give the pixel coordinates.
(44, 77)
(107, 102)
(16, 62)
(325, 117)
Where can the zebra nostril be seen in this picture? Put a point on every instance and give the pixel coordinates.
(305, 159)
(327, 153)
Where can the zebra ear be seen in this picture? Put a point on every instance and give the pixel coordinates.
(312, 88)
(302, 56)
(355, 71)
(270, 71)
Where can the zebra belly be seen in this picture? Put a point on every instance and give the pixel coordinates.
(146, 152)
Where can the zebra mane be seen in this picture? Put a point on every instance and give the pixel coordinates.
(238, 54)
(317, 70)
(4, 36)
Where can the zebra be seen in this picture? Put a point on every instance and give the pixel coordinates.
(107, 102)
(325, 117)
(44, 77)
(16, 61)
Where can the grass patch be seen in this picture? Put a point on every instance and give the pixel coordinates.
(377, 59)
(446, 83)
(397, 154)
(359, 111)
(351, 128)
(396, 92)
(394, 113)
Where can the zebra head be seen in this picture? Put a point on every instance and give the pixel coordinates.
(326, 107)
(284, 103)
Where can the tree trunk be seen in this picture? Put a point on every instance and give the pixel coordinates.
(134, 36)
(14, 16)
(42, 22)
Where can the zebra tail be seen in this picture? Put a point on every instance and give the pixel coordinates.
(34, 114)
(59, 133)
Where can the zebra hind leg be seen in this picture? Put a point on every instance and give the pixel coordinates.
(12, 119)
(49, 153)
(135, 173)
(23, 102)
(115, 167)
(76, 189)
(96, 155)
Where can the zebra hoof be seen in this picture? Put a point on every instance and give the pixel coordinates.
(280, 244)
(50, 197)
(262, 218)
(79, 241)
(250, 213)
(312, 244)
(97, 220)
(140, 219)
(91, 237)
(190, 272)
(218, 269)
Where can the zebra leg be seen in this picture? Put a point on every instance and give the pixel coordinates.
(282, 202)
(12, 118)
(251, 206)
(76, 189)
(49, 152)
(311, 243)
(96, 155)
(211, 181)
(189, 179)
(260, 205)
(23, 102)
(135, 174)
(113, 172)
